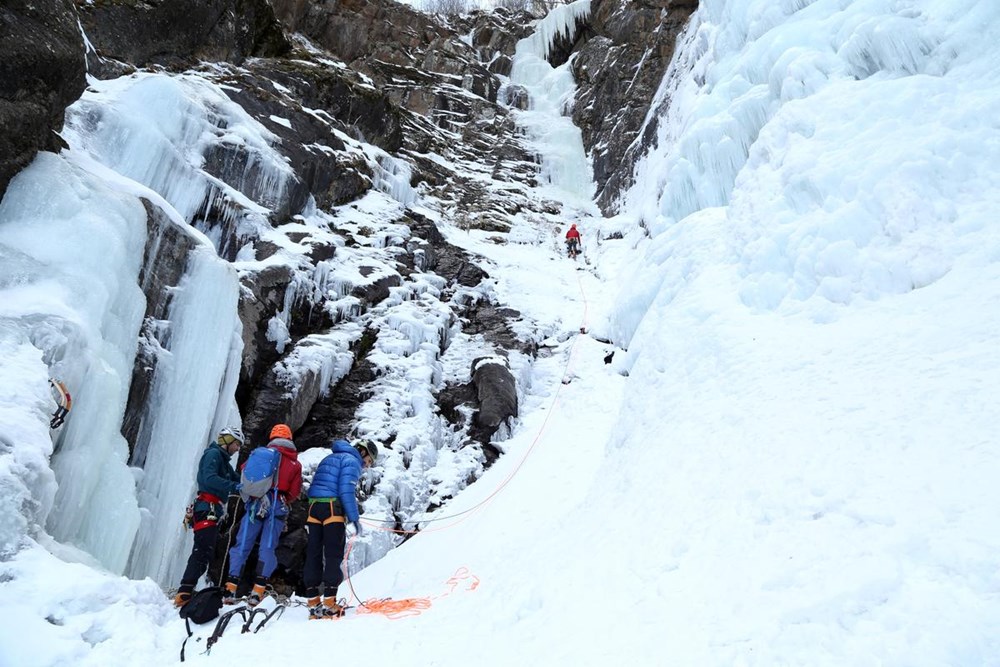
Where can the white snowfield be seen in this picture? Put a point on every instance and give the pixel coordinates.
(791, 458)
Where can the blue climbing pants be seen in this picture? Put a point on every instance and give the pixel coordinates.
(268, 529)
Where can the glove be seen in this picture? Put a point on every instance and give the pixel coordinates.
(354, 528)
(238, 489)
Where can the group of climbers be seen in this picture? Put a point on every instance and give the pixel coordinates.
(269, 482)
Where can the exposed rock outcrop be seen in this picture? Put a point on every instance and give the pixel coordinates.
(618, 71)
(178, 33)
(42, 69)
(164, 262)
(497, 394)
(365, 30)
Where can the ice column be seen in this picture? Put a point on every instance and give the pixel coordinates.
(201, 365)
(79, 244)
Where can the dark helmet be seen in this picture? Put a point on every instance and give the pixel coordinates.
(366, 447)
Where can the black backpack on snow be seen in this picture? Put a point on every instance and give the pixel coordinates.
(203, 605)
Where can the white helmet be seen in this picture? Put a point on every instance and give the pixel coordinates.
(233, 432)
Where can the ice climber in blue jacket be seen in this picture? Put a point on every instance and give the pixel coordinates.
(332, 506)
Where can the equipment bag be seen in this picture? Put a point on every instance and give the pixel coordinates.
(201, 608)
(203, 605)
(260, 473)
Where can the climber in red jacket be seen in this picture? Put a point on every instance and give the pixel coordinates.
(573, 241)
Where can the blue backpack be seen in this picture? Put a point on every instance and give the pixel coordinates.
(260, 473)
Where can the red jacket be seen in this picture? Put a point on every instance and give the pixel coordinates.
(290, 470)
(573, 233)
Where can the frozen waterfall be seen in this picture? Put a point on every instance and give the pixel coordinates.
(551, 89)
(73, 253)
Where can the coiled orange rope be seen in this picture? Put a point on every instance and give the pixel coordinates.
(395, 609)
(407, 607)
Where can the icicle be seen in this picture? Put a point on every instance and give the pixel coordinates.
(561, 22)
(392, 176)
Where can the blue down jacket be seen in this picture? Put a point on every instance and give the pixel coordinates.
(337, 477)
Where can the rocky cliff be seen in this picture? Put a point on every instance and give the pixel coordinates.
(42, 62)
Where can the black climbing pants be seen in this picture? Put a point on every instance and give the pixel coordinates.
(324, 549)
(201, 556)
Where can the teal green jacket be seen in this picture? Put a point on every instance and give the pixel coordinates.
(216, 475)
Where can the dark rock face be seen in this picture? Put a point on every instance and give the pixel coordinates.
(331, 415)
(612, 97)
(353, 29)
(496, 392)
(180, 32)
(280, 398)
(493, 323)
(491, 399)
(564, 46)
(320, 166)
(42, 70)
(164, 261)
(262, 296)
(495, 34)
(354, 107)
(418, 63)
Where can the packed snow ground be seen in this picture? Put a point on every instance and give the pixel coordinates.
(795, 460)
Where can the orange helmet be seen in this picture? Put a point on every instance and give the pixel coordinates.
(281, 431)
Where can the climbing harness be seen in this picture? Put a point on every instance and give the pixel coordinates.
(210, 519)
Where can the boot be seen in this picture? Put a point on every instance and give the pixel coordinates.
(181, 599)
(256, 595)
(315, 605)
(229, 592)
(332, 608)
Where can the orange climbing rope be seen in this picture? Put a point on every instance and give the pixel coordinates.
(407, 607)
(395, 609)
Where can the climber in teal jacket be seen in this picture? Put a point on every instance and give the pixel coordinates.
(216, 481)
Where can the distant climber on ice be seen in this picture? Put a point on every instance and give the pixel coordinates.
(217, 480)
(271, 480)
(573, 241)
(64, 402)
(332, 506)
